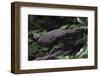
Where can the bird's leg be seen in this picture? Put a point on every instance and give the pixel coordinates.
(51, 50)
(49, 54)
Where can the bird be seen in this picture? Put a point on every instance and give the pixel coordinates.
(50, 38)
(68, 36)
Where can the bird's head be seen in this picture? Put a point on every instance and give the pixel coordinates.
(36, 36)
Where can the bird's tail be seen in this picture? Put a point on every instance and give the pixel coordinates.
(82, 30)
